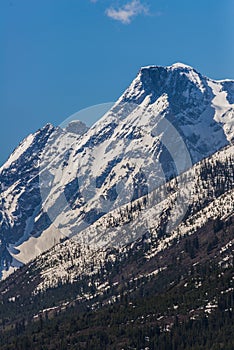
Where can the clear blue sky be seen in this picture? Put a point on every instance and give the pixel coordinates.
(58, 56)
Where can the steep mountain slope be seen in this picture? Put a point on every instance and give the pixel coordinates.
(168, 119)
(86, 270)
(162, 287)
(209, 196)
(20, 196)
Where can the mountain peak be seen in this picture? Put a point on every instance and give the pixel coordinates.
(178, 81)
(177, 65)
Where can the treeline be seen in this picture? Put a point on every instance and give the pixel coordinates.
(178, 319)
(111, 329)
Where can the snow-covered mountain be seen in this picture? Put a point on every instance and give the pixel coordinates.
(20, 196)
(63, 182)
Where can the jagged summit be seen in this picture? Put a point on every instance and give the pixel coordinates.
(31, 142)
(178, 80)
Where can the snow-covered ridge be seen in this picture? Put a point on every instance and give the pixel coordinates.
(25, 145)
